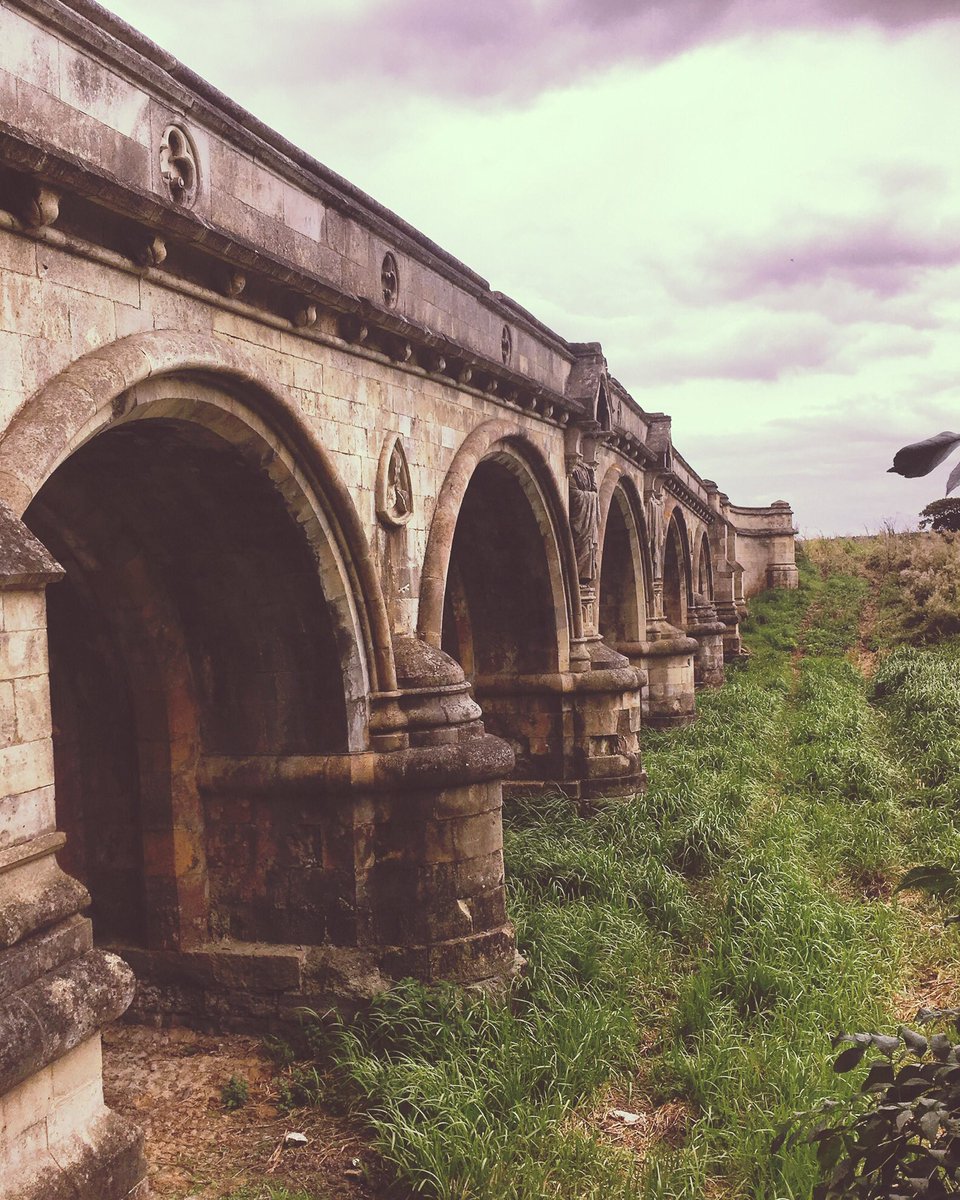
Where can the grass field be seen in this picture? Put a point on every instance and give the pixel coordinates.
(693, 950)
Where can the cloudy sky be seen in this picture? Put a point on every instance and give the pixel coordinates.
(753, 204)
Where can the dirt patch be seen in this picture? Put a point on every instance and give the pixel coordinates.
(932, 986)
(170, 1082)
(633, 1124)
(862, 657)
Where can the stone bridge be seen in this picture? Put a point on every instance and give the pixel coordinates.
(343, 544)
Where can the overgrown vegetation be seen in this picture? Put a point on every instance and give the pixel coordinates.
(913, 580)
(698, 945)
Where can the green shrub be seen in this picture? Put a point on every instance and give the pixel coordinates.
(235, 1093)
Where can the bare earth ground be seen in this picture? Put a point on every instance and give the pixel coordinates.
(169, 1081)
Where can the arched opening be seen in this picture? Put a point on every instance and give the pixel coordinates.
(504, 611)
(622, 597)
(675, 574)
(499, 618)
(704, 572)
(191, 622)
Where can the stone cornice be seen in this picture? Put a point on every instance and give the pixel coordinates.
(678, 489)
(142, 61)
(768, 532)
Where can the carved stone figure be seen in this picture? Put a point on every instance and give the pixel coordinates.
(394, 489)
(398, 483)
(655, 523)
(585, 520)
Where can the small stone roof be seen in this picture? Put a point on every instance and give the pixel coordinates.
(24, 560)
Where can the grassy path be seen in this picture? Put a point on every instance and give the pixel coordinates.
(695, 948)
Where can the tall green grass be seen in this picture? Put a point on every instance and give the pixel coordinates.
(701, 942)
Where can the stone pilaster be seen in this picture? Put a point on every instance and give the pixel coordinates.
(58, 1139)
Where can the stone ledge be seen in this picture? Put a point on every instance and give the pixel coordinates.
(35, 892)
(39, 1023)
(476, 759)
(44, 951)
(24, 561)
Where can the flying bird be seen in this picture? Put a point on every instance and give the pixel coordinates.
(919, 458)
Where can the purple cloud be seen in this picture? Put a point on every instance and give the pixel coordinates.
(516, 49)
(877, 254)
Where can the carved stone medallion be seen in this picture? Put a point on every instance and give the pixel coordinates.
(394, 494)
(179, 167)
(390, 280)
(506, 344)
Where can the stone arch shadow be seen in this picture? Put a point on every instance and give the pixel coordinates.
(703, 568)
(625, 594)
(499, 591)
(677, 570)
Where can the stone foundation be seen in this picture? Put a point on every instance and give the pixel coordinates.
(576, 730)
(728, 614)
(669, 699)
(783, 575)
(708, 632)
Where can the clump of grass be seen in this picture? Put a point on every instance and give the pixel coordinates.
(268, 1192)
(920, 689)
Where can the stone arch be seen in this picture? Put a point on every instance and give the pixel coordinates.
(677, 570)
(624, 599)
(213, 604)
(498, 447)
(105, 388)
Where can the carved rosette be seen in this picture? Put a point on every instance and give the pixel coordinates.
(394, 494)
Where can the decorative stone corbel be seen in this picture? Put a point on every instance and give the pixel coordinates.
(232, 282)
(352, 329)
(39, 208)
(305, 316)
(150, 253)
